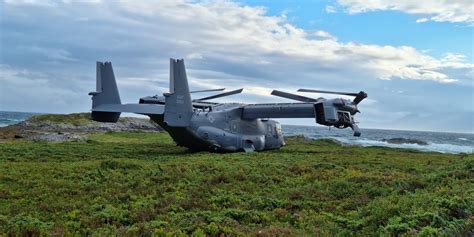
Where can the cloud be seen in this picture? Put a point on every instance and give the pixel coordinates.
(232, 33)
(194, 56)
(453, 57)
(330, 9)
(324, 35)
(36, 90)
(51, 53)
(224, 44)
(433, 10)
(421, 20)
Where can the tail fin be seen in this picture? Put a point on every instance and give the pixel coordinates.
(106, 93)
(179, 108)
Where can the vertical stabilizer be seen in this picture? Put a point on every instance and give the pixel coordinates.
(106, 93)
(178, 105)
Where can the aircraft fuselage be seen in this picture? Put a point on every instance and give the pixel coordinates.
(221, 128)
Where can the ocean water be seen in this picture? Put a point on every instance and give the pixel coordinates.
(437, 141)
(9, 118)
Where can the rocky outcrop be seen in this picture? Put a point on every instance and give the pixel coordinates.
(71, 127)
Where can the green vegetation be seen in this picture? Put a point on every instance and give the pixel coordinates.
(142, 184)
(76, 119)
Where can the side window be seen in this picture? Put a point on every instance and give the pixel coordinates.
(270, 130)
(278, 129)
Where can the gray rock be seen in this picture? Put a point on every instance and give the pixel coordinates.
(71, 129)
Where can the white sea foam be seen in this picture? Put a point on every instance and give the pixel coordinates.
(443, 148)
(6, 122)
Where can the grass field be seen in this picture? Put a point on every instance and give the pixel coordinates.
(142, 184)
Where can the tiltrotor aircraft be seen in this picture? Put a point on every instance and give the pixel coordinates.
(202, 125)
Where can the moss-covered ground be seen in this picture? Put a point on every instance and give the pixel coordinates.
(142, 184)
(76, 119)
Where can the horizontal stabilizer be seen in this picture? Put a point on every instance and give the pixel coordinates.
(131, 108)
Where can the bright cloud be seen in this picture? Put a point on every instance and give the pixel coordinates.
(233, 33)
(324, 35)
(421, 20)
(434, 10)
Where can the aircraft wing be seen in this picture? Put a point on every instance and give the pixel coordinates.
(325, 113)
(278, 110)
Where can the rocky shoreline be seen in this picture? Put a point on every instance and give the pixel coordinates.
(71, 127)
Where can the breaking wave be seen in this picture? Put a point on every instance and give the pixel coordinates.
(9, 118)
(437, 147)
(435, 141)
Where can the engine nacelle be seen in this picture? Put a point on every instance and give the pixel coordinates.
(327, 114)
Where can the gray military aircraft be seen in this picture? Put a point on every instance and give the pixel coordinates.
(228, 127)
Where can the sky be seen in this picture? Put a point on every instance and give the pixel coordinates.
(413, 58)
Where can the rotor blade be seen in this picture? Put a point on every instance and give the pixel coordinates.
(359, 97)
(221, 95)
(328, 92)
(356, 130)
(220, 89)
(293, 96)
